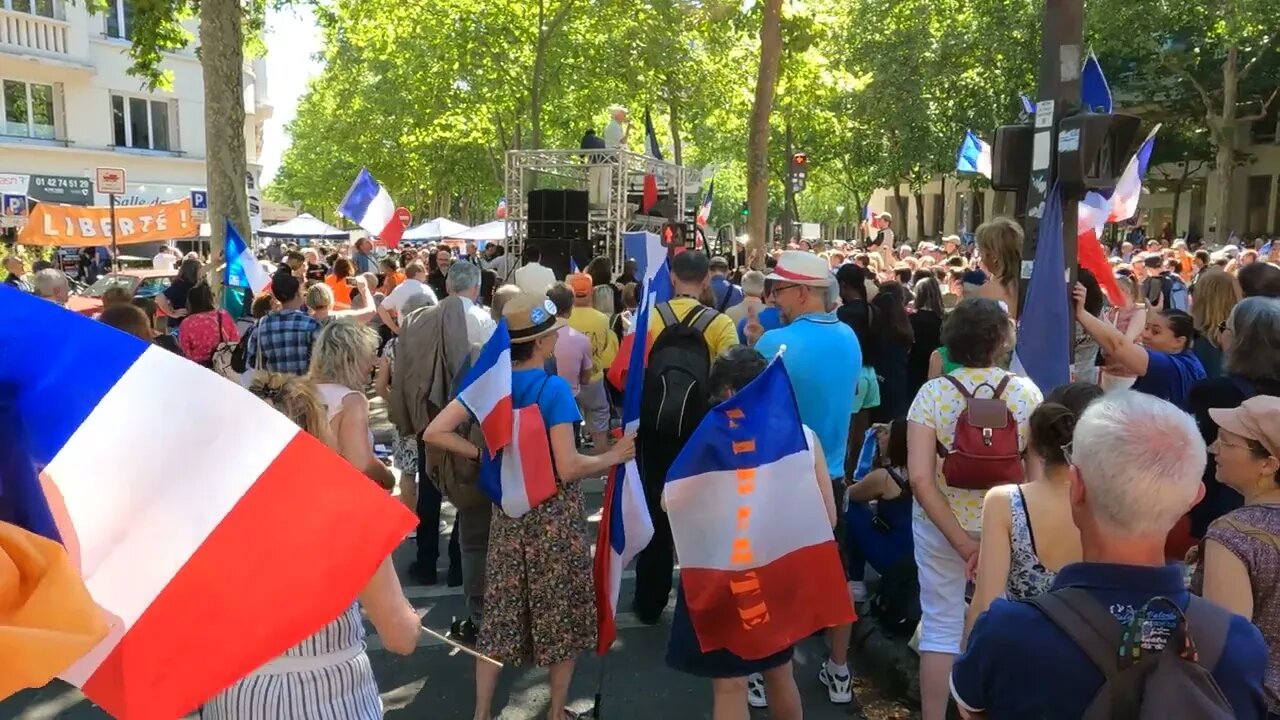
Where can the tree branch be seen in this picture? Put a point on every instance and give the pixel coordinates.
(1266, 105)
(1262, 52)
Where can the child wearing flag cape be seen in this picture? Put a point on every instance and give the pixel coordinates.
(539, 602)
(735, 681)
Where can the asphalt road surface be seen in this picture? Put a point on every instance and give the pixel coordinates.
(436, 682)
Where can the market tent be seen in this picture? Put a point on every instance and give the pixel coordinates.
(495, 231)
(305, 226)
(434, 230)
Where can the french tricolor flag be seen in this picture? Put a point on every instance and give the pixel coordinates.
(1124, 200)
(205, 532)
(651, 148)
(625, 525)
(370, 206)
(243, 269)
(516, 472)
(758, 562)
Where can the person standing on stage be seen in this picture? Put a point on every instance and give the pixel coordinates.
(618, 129)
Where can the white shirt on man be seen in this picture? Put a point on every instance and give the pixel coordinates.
(480, 324)
(613, 134)
(401, 293)
(534, 278)
(164, 260)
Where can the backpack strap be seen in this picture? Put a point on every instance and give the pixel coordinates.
(705, 316)
(724, 301)
(1208, 625)
(1000, 388)
(667, 315)
(1087, 623)
(960, 388)
(898, 480)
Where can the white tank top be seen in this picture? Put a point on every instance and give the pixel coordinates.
(332, 395)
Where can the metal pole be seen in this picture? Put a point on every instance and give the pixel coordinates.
(1059, 95)
(599, 698)
(115, 248)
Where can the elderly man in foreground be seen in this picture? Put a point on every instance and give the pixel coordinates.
(1136, 463)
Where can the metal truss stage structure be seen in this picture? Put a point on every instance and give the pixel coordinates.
(621, 171)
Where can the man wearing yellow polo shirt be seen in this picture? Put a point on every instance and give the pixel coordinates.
(690, 275)
(592, 399)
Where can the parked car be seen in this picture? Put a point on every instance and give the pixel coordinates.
(140, 283)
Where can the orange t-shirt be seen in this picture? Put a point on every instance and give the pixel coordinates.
(341, 292)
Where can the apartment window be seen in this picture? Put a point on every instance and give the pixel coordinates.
(141, 123)
(28, 110)
(1258, 204)
(120, 19)
(43, 8)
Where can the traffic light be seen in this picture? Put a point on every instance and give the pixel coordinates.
(799, 170)
(745, 210)
(673, 235)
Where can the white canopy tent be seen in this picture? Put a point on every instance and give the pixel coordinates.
(495, 231)
(305, 226)
(434, 230)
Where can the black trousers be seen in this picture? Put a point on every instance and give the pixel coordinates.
(656, 563)
(429, 502)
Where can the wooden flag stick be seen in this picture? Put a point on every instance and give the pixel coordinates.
(459, 646)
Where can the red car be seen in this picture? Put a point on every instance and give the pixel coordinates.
(139, 283)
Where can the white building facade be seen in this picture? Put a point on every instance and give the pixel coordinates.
(69, 106)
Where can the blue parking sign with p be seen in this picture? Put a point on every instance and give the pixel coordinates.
(199, 200)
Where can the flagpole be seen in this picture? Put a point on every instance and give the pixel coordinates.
(599, 701)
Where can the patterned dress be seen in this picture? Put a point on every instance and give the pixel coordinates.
(343, 689)
(539, 605)
(1028, 577)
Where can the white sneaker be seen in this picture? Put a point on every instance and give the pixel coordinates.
(756, 696)
(839, 687)
(857, 590)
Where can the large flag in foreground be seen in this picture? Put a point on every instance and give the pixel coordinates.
(370, 206)
(199, 544)
(1044, 328)
(625, 525)
(758, 562)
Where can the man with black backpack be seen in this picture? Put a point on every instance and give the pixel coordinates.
(684, 337)
(1118, 635)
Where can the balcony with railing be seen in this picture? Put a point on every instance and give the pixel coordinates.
(25, 33)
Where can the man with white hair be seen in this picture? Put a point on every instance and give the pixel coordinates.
(15, 270)
(754, 301)
(1136, 463)
(51, 284)
(619, 127)
(463, 281)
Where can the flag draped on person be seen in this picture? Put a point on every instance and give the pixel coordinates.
(758, 562)
(206, 532)
(515, 469)
(653, 150)
(974, 155)
(243, 269)
(1043, 351)
(370, 206)
(625, 525)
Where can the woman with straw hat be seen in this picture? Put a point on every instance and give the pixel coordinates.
(539, 606)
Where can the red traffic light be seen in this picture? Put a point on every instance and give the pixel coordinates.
(800, 159)
(672, 235)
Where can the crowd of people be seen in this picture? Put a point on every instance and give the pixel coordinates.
(1013, 529)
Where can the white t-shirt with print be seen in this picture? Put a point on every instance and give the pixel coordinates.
(938, 405)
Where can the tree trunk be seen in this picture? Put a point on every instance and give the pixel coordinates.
(897, 205)
(919, 198)
(1177, 198)
(856, 219)
(1225, 135)
(758, 134)
(677, 148)
(222, 61)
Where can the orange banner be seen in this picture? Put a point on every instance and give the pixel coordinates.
(75, 226)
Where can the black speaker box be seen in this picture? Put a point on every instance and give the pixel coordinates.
(558, 214)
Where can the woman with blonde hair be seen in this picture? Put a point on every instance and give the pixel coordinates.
(342, 361)
(327, 674)
(999, 243)
(1216, 295)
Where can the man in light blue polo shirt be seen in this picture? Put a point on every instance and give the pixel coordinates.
(824, 362)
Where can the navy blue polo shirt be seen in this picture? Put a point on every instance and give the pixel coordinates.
(1019, 665)
(1169, 376)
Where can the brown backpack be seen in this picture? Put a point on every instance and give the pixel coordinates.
(985, 452)
(458, 477)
